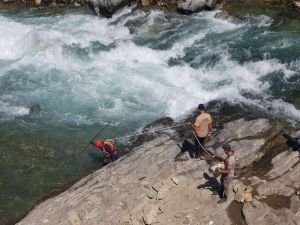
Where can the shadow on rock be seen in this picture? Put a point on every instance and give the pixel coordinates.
(211, 184)
(188, 147)
(292, 142)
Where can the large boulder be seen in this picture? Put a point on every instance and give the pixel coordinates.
(106, 7)
(191, 6)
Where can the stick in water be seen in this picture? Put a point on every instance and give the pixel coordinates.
(95, 137)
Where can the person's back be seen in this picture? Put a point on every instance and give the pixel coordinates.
(107, 147)
(203, 124)
(202, 127)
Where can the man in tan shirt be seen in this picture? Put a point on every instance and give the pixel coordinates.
(202, 127)
(227, 172)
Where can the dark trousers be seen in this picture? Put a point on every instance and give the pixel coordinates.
(198, 149)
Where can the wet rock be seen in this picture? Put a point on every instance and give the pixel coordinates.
(107, 7)
(35, 108)
(145, 2)
(192, 6)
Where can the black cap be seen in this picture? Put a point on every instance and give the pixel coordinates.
(201, 107)
(226, 146)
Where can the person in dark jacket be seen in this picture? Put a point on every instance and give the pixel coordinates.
(107, 147)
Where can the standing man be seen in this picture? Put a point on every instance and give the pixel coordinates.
(202, 126)
(227, 173)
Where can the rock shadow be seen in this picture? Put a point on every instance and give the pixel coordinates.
(292, 142)
(211, 184)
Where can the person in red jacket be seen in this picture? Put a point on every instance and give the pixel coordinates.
(107, 147)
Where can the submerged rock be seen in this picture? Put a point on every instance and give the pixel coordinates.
(35, 108)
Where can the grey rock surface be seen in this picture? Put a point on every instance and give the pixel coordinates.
(245, 138)
(148, 186)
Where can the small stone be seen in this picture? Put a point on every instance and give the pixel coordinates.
(248, 197)
(150, 214)
(145, 2)
(37, 2)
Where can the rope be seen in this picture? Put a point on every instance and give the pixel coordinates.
(149, 132)
(203, 146)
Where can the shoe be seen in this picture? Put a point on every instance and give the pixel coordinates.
(222, 200)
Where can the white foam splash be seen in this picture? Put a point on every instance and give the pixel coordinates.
(127, 80)
(13, 110)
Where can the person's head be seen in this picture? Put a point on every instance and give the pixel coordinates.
(227, 149)
(201, 108)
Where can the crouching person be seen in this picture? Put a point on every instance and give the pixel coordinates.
(108, 148)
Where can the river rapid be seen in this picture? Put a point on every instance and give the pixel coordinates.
(83, 71)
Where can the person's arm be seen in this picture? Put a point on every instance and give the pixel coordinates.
(195, 125)
(224, 171)
(228, 168)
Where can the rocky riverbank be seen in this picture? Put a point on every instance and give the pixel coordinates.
(108, 8)
(158, 182)
(23, 4)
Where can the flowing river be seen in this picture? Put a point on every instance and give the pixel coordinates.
(79, 71)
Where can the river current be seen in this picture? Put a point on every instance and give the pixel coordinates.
(82, 71)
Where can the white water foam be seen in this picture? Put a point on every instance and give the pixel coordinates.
(128, 80)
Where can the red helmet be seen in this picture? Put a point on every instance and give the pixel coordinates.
(98, 143)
